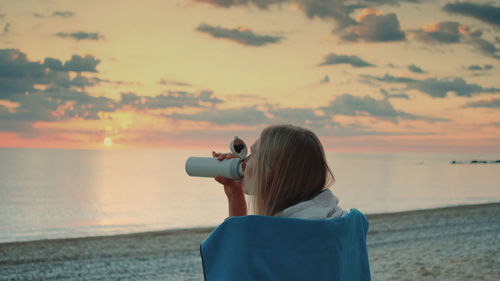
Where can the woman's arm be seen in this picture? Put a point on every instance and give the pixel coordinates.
(233, 189)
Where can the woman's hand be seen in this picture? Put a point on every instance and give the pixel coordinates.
(233, 189)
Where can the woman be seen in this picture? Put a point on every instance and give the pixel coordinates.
(288, 174)
(292, 237)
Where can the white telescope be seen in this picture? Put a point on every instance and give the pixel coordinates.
(211, 167)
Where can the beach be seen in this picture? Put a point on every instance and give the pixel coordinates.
(454, 243)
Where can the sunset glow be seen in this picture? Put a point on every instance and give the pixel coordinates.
(108, 141)
(170, 74)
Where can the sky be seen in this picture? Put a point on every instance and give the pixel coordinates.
(365, 75)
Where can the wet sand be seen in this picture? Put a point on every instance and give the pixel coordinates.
(457, 243)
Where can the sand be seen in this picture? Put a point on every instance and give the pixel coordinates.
(457, 243)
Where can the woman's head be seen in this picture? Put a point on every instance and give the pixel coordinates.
(287, 166)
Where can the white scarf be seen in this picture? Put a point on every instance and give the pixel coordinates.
(322, 206)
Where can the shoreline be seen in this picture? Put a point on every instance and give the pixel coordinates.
(208, 229)
(450, 243)
(180, 231)
(430, 210)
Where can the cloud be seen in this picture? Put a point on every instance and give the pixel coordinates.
(239, 35)
(17, 74)
(321, 117)
(333, 9)
(174, 83)
(483, 46)
(82, 64)
(54, 64)
(453, 32)
(239, 116)
(354, 61)
(387, 95)
(45, 91)
(437, 88)
(476, 67)
(494, 124)
(170, 99)
(229, 3)
(337, 10)
(415, 69)
(390, 79)
(350, 105)
(81, 35)
(372, 26)
(302, 116)
(440, 88)
(325, 80)
(76, 63)
(82, 81)
(483, 12)
(491, 103)
(60, 14)
(440, 32)
(56, 104)
(32, 91)
(41, 93)
(64, 14)
(6, 28)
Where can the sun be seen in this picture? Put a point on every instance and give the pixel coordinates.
(108, 141)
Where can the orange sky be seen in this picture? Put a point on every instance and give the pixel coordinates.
(184, 74)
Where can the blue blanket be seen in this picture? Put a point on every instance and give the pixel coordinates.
(273, 248)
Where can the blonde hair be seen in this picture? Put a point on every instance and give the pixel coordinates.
(290, 167)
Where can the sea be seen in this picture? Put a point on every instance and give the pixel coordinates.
(60, 193)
